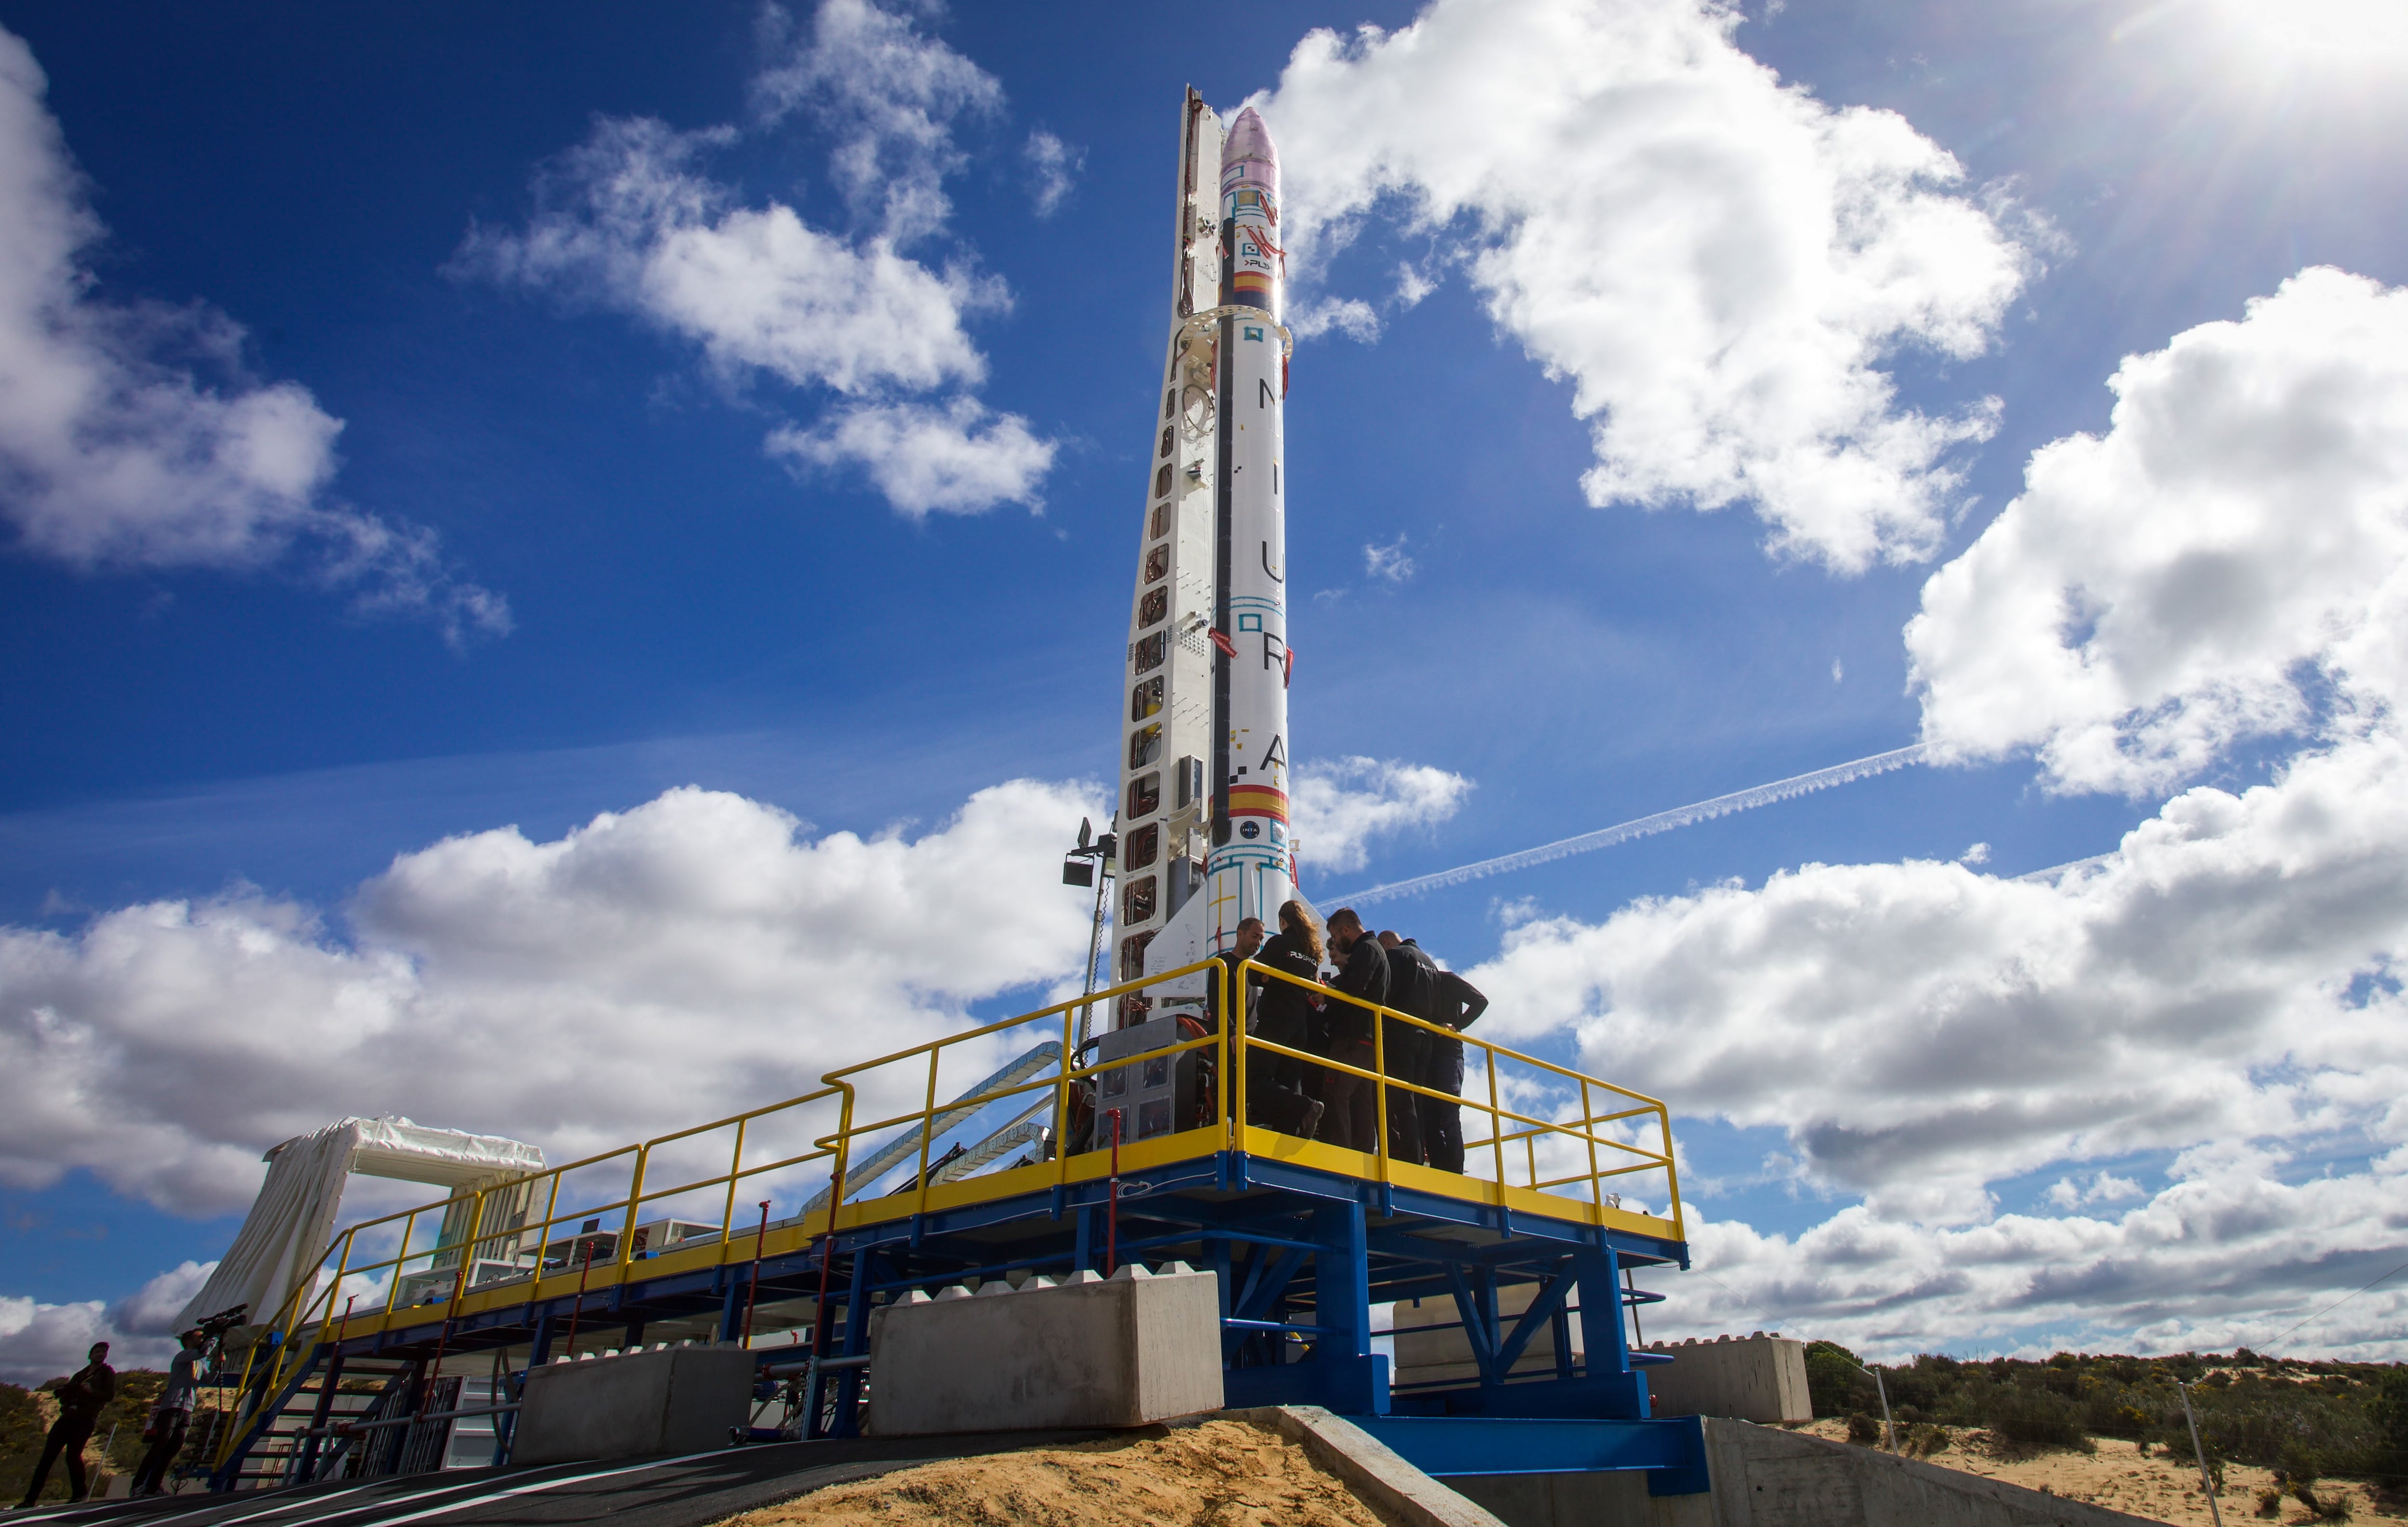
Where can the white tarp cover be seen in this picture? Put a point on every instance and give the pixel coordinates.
(294, 1216)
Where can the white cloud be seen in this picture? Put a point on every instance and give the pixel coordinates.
(1353, 317)
(1055, 167)
(1388, 563)
(890, 95)
(164, 1045)
(957, 459)
(39, 1341)
(130, 436)
(2102, 1188)
(1341, 806)
(2217, 988)
(2237, 540)
(2220, 991)
(629, 219)
(1719, 264)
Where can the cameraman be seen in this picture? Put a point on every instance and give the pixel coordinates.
(170, 1414)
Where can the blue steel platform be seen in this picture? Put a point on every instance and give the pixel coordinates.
(1306, 1237)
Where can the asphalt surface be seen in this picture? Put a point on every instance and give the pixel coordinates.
(681, 1492)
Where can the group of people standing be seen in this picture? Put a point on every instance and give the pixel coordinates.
(89, 1389)
(1297, 1097)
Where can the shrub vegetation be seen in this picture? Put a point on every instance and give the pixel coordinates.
(2308, 1420)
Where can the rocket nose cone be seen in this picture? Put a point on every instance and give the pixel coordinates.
(1248, 139)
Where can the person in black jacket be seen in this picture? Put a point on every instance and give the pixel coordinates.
(1247, 944)
(80, 1399)
(1278, 1095)
(1412, 988)
(1458, 1003)
(1352, 1119)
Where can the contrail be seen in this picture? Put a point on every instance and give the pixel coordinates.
(1662, 821)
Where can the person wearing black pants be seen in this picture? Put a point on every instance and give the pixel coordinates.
(1458, 1003)
(1277, 1093)
(1412, 989)
(80, 1399)
(1352, 1119)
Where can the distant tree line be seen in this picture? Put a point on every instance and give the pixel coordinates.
(2303, 1419)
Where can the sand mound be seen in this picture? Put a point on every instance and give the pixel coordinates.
(1220, 1473)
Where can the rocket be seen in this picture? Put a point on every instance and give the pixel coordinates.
(1252, 866)
(1205, 840)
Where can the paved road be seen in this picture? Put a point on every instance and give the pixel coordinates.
(685, 1492)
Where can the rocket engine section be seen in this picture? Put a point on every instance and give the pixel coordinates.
(1222, 552)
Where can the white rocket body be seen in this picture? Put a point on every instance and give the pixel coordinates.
(1205, 836)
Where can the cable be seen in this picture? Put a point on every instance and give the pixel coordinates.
(1662, 821)
(2338, 1302)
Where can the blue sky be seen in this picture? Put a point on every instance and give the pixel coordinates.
(557, 562)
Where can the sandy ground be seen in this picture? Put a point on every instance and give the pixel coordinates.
(1220, 1473)
(2158, 1487)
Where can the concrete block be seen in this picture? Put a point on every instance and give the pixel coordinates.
(1126, 1350)
(1758, 1378)
(637, 1405)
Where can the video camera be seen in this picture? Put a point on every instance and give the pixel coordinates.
(216, 1326)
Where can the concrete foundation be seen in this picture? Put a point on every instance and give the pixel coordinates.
(637, 1405)
(1767, 1478)
(1126, 1350)
(1750, 1378)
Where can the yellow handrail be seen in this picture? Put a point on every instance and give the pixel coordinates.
(1228, 1042)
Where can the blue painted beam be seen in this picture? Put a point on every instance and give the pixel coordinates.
(1672, 1452)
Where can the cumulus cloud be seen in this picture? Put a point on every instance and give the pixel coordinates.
(632, 220)
(2221, 992)
(1054, 166)
(164, 1045)
(133, 436)
(2229, 558)
(40, 1341)
(2217, 988)
(627, 220)
(1719, 264)
(890, 95)
(1341, 806)
(957, 459)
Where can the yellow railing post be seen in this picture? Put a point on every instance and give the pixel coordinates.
(1233, 1053)
(635, 1207)
(727, 1215)
(1588, 1134)
(1062, 1103)
(1673, 1176)
(1380, 1091)
(400, 1259)
(1496, 1118)
(927, 1134)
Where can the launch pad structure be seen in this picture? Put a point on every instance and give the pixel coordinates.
(1026, 1148)
(783, 1228)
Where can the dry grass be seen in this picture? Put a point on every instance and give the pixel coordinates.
(2119, 1478)
(1219, 1473)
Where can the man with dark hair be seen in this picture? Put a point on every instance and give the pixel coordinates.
(1457, 1004)
(1248, 941)
(80, 1399)
(1412, 988)
(170, 1414)
(1351, 1117)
